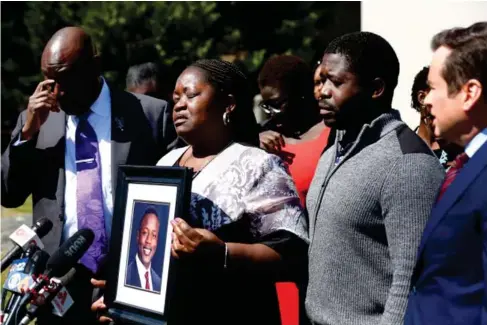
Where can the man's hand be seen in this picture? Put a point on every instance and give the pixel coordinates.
(41, 102)
(99, 283)
(188, 240)
(271, 141)
(99, 306)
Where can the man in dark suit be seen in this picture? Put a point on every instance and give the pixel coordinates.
(140, 272)
(67, 146)
(449, 284)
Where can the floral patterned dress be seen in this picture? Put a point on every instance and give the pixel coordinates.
(243, 195)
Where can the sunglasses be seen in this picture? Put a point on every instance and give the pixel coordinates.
(273, 109)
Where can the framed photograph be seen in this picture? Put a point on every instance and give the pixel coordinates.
(140, 275)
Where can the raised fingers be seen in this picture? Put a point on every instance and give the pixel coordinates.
(271, 141)
(44, 100)
(43, 83)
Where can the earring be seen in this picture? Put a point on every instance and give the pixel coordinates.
(226, 118)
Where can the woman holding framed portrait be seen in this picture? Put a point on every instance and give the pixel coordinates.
(246, 228)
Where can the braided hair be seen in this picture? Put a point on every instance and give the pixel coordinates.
(229, 79)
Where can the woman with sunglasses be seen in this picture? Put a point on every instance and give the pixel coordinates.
(446, 152)
(295, 130)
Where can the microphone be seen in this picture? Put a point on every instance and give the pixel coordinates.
(30, 250)
(62, 300)
(37, 263)
(59, 264)
(18, 264)
(23, 269)
(25, 236)
(54, 293)
(16, 279)
(69, 253)
(21, 277)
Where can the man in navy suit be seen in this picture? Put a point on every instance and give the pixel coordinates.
(449, 284)
(140, 272)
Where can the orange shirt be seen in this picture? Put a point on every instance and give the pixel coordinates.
(302, 159)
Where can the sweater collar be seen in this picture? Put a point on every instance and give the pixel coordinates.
(380, 126)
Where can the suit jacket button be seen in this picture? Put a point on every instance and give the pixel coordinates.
(414, 289)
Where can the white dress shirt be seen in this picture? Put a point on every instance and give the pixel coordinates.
(474, 145)
(141, 270)
(100, 119)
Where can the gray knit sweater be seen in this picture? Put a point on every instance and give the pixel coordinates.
(366, 219)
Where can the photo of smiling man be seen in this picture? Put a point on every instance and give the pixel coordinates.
(145, 264)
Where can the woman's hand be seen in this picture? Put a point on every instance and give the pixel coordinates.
(271, 141)
(188, 240)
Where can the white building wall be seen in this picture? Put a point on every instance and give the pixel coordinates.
(409, 27)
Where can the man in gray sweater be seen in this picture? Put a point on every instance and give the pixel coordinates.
(371, 194)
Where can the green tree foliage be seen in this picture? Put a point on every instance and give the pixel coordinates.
(170, 33)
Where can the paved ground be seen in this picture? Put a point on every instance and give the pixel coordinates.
(9, 224)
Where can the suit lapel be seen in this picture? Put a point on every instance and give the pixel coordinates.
(120, 139)
(466, 176)
(53, 135)
(62, 172)
(156, 281)
(135, 275)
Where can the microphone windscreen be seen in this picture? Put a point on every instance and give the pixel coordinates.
(37, 263)
(42, 227)
(70, 252)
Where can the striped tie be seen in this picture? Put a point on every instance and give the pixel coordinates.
(457, 165)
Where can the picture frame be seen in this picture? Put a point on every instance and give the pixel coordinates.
(141, 274)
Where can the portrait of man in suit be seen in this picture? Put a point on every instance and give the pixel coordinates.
(140, 271)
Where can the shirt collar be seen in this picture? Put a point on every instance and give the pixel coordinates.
(140, 266)
(100, 106)
(476, 143)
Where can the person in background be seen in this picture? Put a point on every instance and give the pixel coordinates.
(449, 284)
(295, 131)
(66, 149)
(445, 152)
(317, 81)
(297, 134)
(145, 79)
(245, 227)
(260, 115)
(371, 193)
